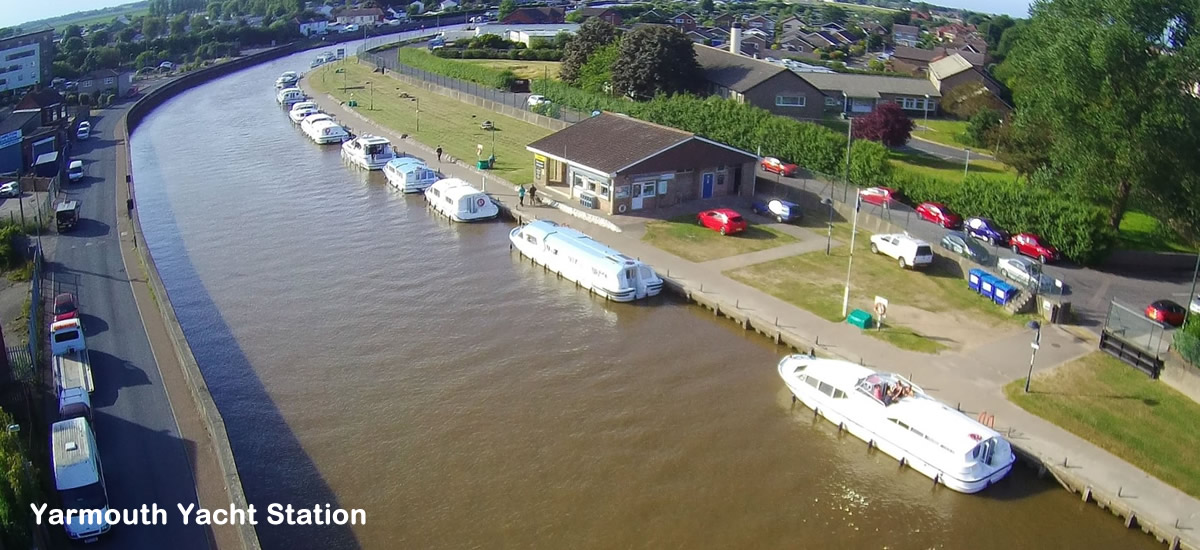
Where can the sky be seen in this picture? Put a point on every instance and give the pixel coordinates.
(15, 12)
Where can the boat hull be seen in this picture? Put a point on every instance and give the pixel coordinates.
(617, 295)
(366, 163)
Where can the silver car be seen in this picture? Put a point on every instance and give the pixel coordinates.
(1020, 270)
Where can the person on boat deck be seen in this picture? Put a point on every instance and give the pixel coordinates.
(878, 391)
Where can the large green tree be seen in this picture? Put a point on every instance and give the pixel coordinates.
(17, 489)
(506, 7)
(594, 34)
(653, 61)
(596, 75)
(1113, 82)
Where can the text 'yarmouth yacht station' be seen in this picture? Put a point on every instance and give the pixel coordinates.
(277, 514)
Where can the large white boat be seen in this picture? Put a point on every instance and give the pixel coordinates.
(301, 111)
(287, 80)
(900, 419)
(409, 174)
(581, 259)
(322, 129)
(369, 152)
(457, 200)
(289, 96)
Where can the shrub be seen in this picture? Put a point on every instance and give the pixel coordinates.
(887, 124)
(479, 74)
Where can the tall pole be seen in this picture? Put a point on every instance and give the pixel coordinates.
(926, 111)
(1037, 341)
(853, 232)
(1192, 294)
(968, 164)
(372, 85)
(848, 140)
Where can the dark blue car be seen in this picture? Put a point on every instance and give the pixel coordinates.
(783, 211)
(986, 230)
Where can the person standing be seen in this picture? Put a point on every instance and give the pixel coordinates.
(532, 195)
(521, 195)
(439, 153)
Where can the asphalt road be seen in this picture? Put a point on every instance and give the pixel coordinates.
(942, 151)
(143, 456)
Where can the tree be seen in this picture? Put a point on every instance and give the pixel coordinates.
(874, 40)
(965, 100)
(17, 489)
(104, 57)
(126, 35)
(214, 10)
(98, 38)
(1111, 80)
(413, 9)
(706, 6)
(506, 7)
(72, 31)
(146, 59)
(833, 13)
(876, 65)
(179, 24)
(887, 124)
(655, 60)
(594, 34)
(72, 45)
(575, 17)
(152, 27)
(898, 18)
(982, 126)
(596, 75)
(993, 29)
(869, 163)
(1023, 147)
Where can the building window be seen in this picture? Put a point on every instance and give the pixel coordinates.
(108, 80)
(789, 101)
(85, 84)
(831, 102)
(913, 103)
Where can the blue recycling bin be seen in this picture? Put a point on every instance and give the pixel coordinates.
(1003, 292)
(987, 285)
(974, 277)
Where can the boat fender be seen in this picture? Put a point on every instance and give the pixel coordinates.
(870, 444)
(903, 461)
(621, 208)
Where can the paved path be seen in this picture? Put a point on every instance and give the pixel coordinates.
(941, 151)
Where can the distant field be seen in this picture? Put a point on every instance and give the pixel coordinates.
(83, 18)
(523, 69)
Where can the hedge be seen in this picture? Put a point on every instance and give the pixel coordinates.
(520, 54)
(478, 74)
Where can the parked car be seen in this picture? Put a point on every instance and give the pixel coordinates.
(1020, 270)
(1166, 312)
(1033, 246)
(961, 244)
(84, 131)
(166, 66)
(75, 170)
(1195, 305)
(722, 220)
(535, 100)
(879, 195)
(10, 189)
(772, 164)
(907, 251)
(986, 230)
(783, 211)
(65, 307)
(939, 214)
(350, 28)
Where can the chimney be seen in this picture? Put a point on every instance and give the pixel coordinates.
(735, 38)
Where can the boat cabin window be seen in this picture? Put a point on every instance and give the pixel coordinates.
(436, 193)
(812, 381)
(826, 389)
(531, 239)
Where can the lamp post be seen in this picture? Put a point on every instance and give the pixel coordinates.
(968, 164)
(926, 111)
(1037, 341)
(849, 134)
(828, 201)
(853, 232)
(1192, 295)
(371, 85)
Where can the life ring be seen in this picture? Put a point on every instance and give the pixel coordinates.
(880, 309)
(621, 209)
(480, 202)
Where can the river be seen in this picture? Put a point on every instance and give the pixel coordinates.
(367, 354)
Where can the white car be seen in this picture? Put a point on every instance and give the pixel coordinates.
(10, 189)
(350, 28)
(908, 251)
(1195, 305)
(75, 170)
(535, 100)
(1023, 271)
(84, 131)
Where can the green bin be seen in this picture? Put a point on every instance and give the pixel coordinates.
(483, 164)
(860, 319)
(352, 103)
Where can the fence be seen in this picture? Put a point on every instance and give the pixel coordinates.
(32, 354)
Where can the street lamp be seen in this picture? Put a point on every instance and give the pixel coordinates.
(1037, 341)
(828, 201)
(968, 164)
(371, 85)
(853, 233)
(926, 111)
(1192, 295)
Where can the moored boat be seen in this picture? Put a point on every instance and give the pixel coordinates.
(457, 200)
(300, 111)
(289, 96)
(287, 80)
(585, 261)
(322, 129)
(409, 174)
(899, 418)
(369, 152)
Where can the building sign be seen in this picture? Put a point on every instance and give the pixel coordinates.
(10, 139)
(539, 167)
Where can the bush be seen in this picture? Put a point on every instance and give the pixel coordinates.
(10, 252)
(981, 128)
(478, 74)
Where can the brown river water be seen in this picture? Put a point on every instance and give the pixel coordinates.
(367, 354)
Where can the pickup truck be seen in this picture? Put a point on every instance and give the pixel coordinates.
(72, 369)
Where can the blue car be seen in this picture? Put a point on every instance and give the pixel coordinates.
(986, 230)
(783, 211)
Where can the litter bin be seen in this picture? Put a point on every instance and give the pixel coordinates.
(974, 277)
(1002, 292)
(588, 200)
(352, 103)
(860, 319)
(987, 285)
(484, 164)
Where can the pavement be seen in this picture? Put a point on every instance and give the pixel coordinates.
(942, 151)
(971, 379)
(143, 450)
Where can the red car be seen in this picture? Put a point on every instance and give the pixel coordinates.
(772, 164)
(879, 195)
(722, 220)
(65, 307)
(1166, 312)
(939, 214)
(1033, 246)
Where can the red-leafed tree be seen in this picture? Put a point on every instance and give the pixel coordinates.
(887, 124)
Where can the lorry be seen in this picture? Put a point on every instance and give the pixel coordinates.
(72, 369)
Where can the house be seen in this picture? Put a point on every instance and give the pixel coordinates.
(49, 104)
(953, 31)
(954, 70)
(651, 16)
(821, 39)
(324, 11)
(905, 35)
(845, 37)
(911, 60)
(42, 117)
(699, 36)
(360, 16)
(105, 81)
(792, 25)
(606, 14)
(725, 20)
(832, 27)
(761, 23)
(632, 166)
(526, 34)
(796, 43)
(311, 27)
(684, 22)
(866, 91)
(758, 83)
(754, 46)
(448, 5)
(540, 15)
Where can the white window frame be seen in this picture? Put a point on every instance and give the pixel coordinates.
(831, 101)
(801, 100)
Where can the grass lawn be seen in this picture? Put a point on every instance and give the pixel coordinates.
(1122, 411)
(1140, 231)
(947, 132)
(815, 282)
(444, 121)
(684, 237)
(950, 169)
(523, 69)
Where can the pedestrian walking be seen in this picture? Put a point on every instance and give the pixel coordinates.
(521, 195)
(532, 195)
(439, 153)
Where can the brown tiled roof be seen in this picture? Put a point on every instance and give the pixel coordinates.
(610, 142)
(39, 99)
(736, 72)
(916, 54)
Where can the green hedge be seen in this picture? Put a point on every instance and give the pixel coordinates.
(519, 54)
(478, 74)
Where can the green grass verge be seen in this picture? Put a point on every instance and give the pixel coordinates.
(951, 133)
(1121, 410)
(471, 72)
(453, 124)
(1140, 231)
(950, 170)
(684, 237)
(906, 338)
(523, 69)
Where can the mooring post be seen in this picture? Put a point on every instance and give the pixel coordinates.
(1064, 462)
(1120, 490)
(738, 303)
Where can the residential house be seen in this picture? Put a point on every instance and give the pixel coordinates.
(725, 20)
(761, 23)
(792, 25)
(832, 27)
(45, 131)
(651, 16)
(908, 59)
(540, 15)
(324, 11)
(821, 39)
(755, 46)
(606, 14)
(905, 35)
(526, 34)
(865, 92)
(360, 16)
(794, 42)
(105, 81)
(684, 22)
(758, 83)
(717, 33)
(874, 28)
(845, 37)
(311, 27)
(954, 70)
(699, 36)
(953, 31)
(631, 166)
(448, 5)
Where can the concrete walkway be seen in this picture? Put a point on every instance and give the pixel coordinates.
(973, 378)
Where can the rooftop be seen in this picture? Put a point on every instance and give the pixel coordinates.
(865, 85)
(736, 72)
(949, 66)
(609, 142)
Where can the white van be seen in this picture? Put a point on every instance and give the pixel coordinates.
(907, 251)
(75, 170)
(79, 478)
(460, 202)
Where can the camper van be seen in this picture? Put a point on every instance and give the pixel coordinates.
(410, 175)
(79, 478)
(583, 260)
(460, 202)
